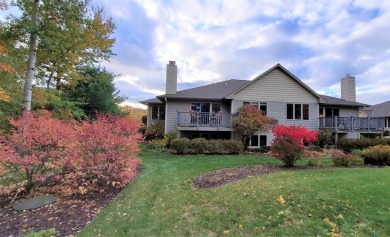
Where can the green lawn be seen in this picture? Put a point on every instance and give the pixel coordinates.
(162, 202)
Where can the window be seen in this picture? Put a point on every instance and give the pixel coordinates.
(254, 140)
(205, 107)
(329, 112)
(258, 140)
(260, 105)
(158, 112)
(298, 111)
(263, 140)
(290, 111)
(305, 112)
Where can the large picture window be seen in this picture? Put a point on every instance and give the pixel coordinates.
(329, 112)
(298, 111)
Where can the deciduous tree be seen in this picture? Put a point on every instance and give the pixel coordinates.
(250, 120)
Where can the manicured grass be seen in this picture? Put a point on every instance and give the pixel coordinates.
(163, 202)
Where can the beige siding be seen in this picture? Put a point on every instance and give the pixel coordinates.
(276, 86)
(172, 106)
(348, 112)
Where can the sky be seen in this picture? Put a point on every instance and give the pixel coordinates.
(216, 40)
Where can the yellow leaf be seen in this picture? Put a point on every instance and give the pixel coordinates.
(341, 216)
(226, 232)
(240, 227)
(50, 218)
(281, 199)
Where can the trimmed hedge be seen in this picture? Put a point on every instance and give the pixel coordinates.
(347, 145)
(377, 155)
(204, 146)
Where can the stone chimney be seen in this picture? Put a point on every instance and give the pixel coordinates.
(171, 84)
(348, 88)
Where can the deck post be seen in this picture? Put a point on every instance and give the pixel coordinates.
(351, 123)
(368, 124)
(335, 123)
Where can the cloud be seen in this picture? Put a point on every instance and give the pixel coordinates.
(318, 41)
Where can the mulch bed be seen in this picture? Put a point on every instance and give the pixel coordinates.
(223, 176)
(68, 215)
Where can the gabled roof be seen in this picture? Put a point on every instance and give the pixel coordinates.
(378, 110)
(151, 101)
(329, 100)
(215, 91)
(277, 66)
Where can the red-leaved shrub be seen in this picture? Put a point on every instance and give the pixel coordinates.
(288, 145)
(35, 148)
(103, 153)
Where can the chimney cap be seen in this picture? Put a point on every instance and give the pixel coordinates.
(172, 62)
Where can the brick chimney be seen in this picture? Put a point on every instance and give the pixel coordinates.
(171, 83)
(348, 88)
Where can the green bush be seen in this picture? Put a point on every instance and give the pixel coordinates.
(347, 145)
(180, 145)
(169, 137)
(377, 155)
(341, 159)
(44, 233)
(324, 138)
(199, 145)
(232, 146)
(216, 147)
(203, 146)
(313, 162)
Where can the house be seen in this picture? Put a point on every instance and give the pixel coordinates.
(207, 111)
(381, 110)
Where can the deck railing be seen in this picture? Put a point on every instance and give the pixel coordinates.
(350, 124)
(201, 119)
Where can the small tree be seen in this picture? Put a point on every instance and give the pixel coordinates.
(288, 145)
(250, 120)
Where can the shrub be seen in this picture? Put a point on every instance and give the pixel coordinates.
(203, 146)
(103, 153)
(341, 159)
(169, 137)
(377, 155)
(180, 145)
(199, 145)
(313, 162)
(324, 138)
(347, 145)
(232, 146)
(216, 147)
(35, 148)
(155, 131)
(288, 145)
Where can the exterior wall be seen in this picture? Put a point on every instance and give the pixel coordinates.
(276, 86)
(348, 112)
(277, 89)
(171, 108)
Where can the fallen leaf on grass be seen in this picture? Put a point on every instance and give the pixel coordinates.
(226, 232)
(281, 199)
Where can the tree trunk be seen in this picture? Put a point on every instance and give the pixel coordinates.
(31, 58)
